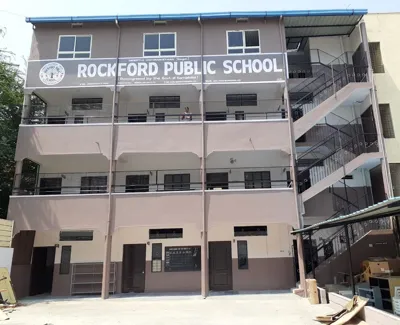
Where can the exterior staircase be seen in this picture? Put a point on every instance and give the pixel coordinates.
(328, 161)
(344, 87)
(329, 258)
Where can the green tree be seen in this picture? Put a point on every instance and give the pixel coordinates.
(11, 102)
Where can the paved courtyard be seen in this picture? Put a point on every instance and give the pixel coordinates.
(253, 309)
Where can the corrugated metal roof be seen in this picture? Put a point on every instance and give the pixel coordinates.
(382, 209)
(320, 25)
(194, 16)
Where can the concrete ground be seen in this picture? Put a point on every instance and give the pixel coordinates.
(243, 309)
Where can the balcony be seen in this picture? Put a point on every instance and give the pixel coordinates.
(68, 131)
(80, 200)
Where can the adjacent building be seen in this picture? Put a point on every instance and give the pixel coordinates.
(243, 126)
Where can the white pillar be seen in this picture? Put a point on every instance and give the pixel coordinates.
(17, 177)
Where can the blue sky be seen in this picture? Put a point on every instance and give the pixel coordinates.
(18, 37)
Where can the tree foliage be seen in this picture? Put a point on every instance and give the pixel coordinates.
(11, 102)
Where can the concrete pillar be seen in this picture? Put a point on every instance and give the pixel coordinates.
(302, 269)
(26, 109)
(17, 177)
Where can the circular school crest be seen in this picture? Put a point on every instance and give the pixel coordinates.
(52, 73)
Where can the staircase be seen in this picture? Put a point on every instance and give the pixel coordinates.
(329, 256)
(325, 163)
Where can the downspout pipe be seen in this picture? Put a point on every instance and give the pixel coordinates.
(111, 211)
(300, 249)
(204, 232)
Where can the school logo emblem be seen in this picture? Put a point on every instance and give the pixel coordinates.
(52, 73)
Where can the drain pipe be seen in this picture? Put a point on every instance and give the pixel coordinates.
(297, 198)
(105, 291)
(204, 232)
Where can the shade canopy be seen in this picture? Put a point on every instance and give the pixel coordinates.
(383, 209)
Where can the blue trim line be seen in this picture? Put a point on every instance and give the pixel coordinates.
(195, 16)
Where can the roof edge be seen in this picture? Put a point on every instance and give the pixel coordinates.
(195, 16)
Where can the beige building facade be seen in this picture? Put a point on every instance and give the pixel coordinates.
(239, 124)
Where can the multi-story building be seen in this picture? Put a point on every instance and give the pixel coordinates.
(243, 126)
(380, 29)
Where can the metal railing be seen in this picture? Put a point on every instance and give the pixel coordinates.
(243, 109)
(326, 89)
(60, 183)
(342, 148)
(152, 181)
(335, 244)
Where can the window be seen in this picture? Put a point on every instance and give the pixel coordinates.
(239, 115)
(243, 260)
(162, 44)
(137, 118)
(156, 258)
(176, 182)
(217, 180)
(182, 259)
(93, 184)
(74, 47)
(84, 104)
(65, 259)
(243, 41)
(250, 231)
(376, 57)
(50, 186)
(81, 235)
(160, 117)
(241, 100)
(166, 233)
(257, 179)
(387, 123)
(216, 116)
(78, 119)
(55, 120)
(164, 102)
(137, 183)
(395, 174)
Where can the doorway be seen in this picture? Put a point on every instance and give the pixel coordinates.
(220, 265)
(42, 270)
(217, 180)
(133, 268)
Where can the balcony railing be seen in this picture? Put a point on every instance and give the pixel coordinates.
(159, 112)
(153, 181)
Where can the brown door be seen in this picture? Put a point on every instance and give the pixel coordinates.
(220, 265)
(42, 270)
(133, 268)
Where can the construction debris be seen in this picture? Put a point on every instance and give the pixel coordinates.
(344, 316)
(7, 295)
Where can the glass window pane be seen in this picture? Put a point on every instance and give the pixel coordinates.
(83, 43)
(82, 55)
(167, 41)
(65, 55)
(252, 50)
(67, 43)
(151, 53)
(252, 38)
(165, 53)
(231, 51)
(235, 39)
(151, 42)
